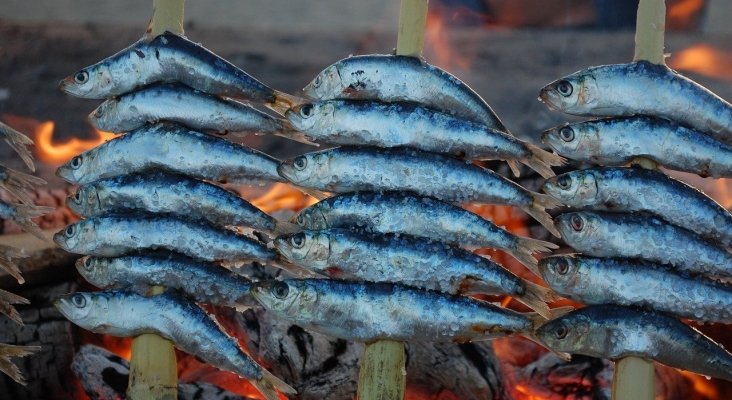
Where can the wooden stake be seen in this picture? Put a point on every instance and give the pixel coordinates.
(382, 375)
(153, 367)
(635, 378)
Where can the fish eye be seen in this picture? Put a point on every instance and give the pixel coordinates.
(280, 290)
(562, 266)
(564, 88)
(79, 300)
(76, 162)
(298, 240)
(88, 264)
(577, 222)
(98, 112)
(300, 163)
(564, 181)
(77, 196)
(317, 81)
(70, 230)
(300, 219)
(306, 111)
(81, 77)
(561, 332)
(567, 134)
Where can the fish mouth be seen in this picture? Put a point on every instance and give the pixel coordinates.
(547, 96)
(286, 169)
(65, 84)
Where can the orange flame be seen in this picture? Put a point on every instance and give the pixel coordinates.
(705, 388)
(704, 60)
(437, 44)
(283, 197)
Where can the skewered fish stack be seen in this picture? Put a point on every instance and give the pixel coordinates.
(17, 184)
(392, 238)
(154, 214)
(652, 247)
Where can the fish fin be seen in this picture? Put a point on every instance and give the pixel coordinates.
(537, 319)
(538, 211)
(19, 142)
(283, 102)
(285, 227)
(515, 167)
(6, 301)
(563, 356)
(18, 183)
(542, 161)
(536, 297)
(7, 254)
(526, 247)
(297, 136)
(295, 269)
(23, 215)
(559, 311)
(8, 351)
(314, 193)
(269, 385)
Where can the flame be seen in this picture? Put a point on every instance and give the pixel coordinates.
(437, 45)
(684, 14)
(704, 60)
(704, 387)
(283, 197)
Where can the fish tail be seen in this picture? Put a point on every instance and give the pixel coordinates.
(283, 102)
(542, 161)
(23, 215)
(288, 131)
(285, 227)
(6, 301)
(526, 247)
(536, 297)
(270, 386)
(515, 167)
(538, 211)
(19, 142)
(8, 351)
(314, 193)
(295, 269)
(7, 254)
(18, 183)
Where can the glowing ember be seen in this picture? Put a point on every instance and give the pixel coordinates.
(705, 60)
(704, 388)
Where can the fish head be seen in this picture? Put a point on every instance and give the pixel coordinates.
(578, 227)
(294, 298)
(307, 117)
(309, 248)
(92, 82)
(79, 237)
(312, 218)
(305, 169)
(96, 271)
(85, 201)
(573, 94)
(577, 140)
(326, 85)
(106, 116)
(88, 310)
(569, 333)
(560, 272)
(577, 188)
(78, 168)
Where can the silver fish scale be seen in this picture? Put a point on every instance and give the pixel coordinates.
(161, 192)
(617, 141)
(636, 189)
(634, 282)
(614, 332)
(175, 149)
(180, 104)
(625, 235)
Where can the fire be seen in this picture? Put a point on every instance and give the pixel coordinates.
(283, 197)
(705, 388)
(437, 44)
(683, 14)
(705, 60)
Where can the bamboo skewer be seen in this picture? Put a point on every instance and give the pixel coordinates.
(635, 378)
(382, 375)
(153, 367)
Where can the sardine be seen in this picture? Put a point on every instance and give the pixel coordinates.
(8, 255)
(180, 104)
(201, 281)
(402, 212)
(19, 184)
(19, 143)
(21, 214)
(615, 332)
(371, 311)
(113, 236)
(618, 141)
(603, 234)
(639, 189)
(184, 323)
(400, 78)
(8, 351)
(175, 149)
(352, 169)
(411, 261)
(7, 300)
(644, 88)
(162, 192)
(347, 122)
(165, 58)
(639, 283)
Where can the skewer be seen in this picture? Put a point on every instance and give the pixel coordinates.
(153, 367)
(382, 375)
(635, 378)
